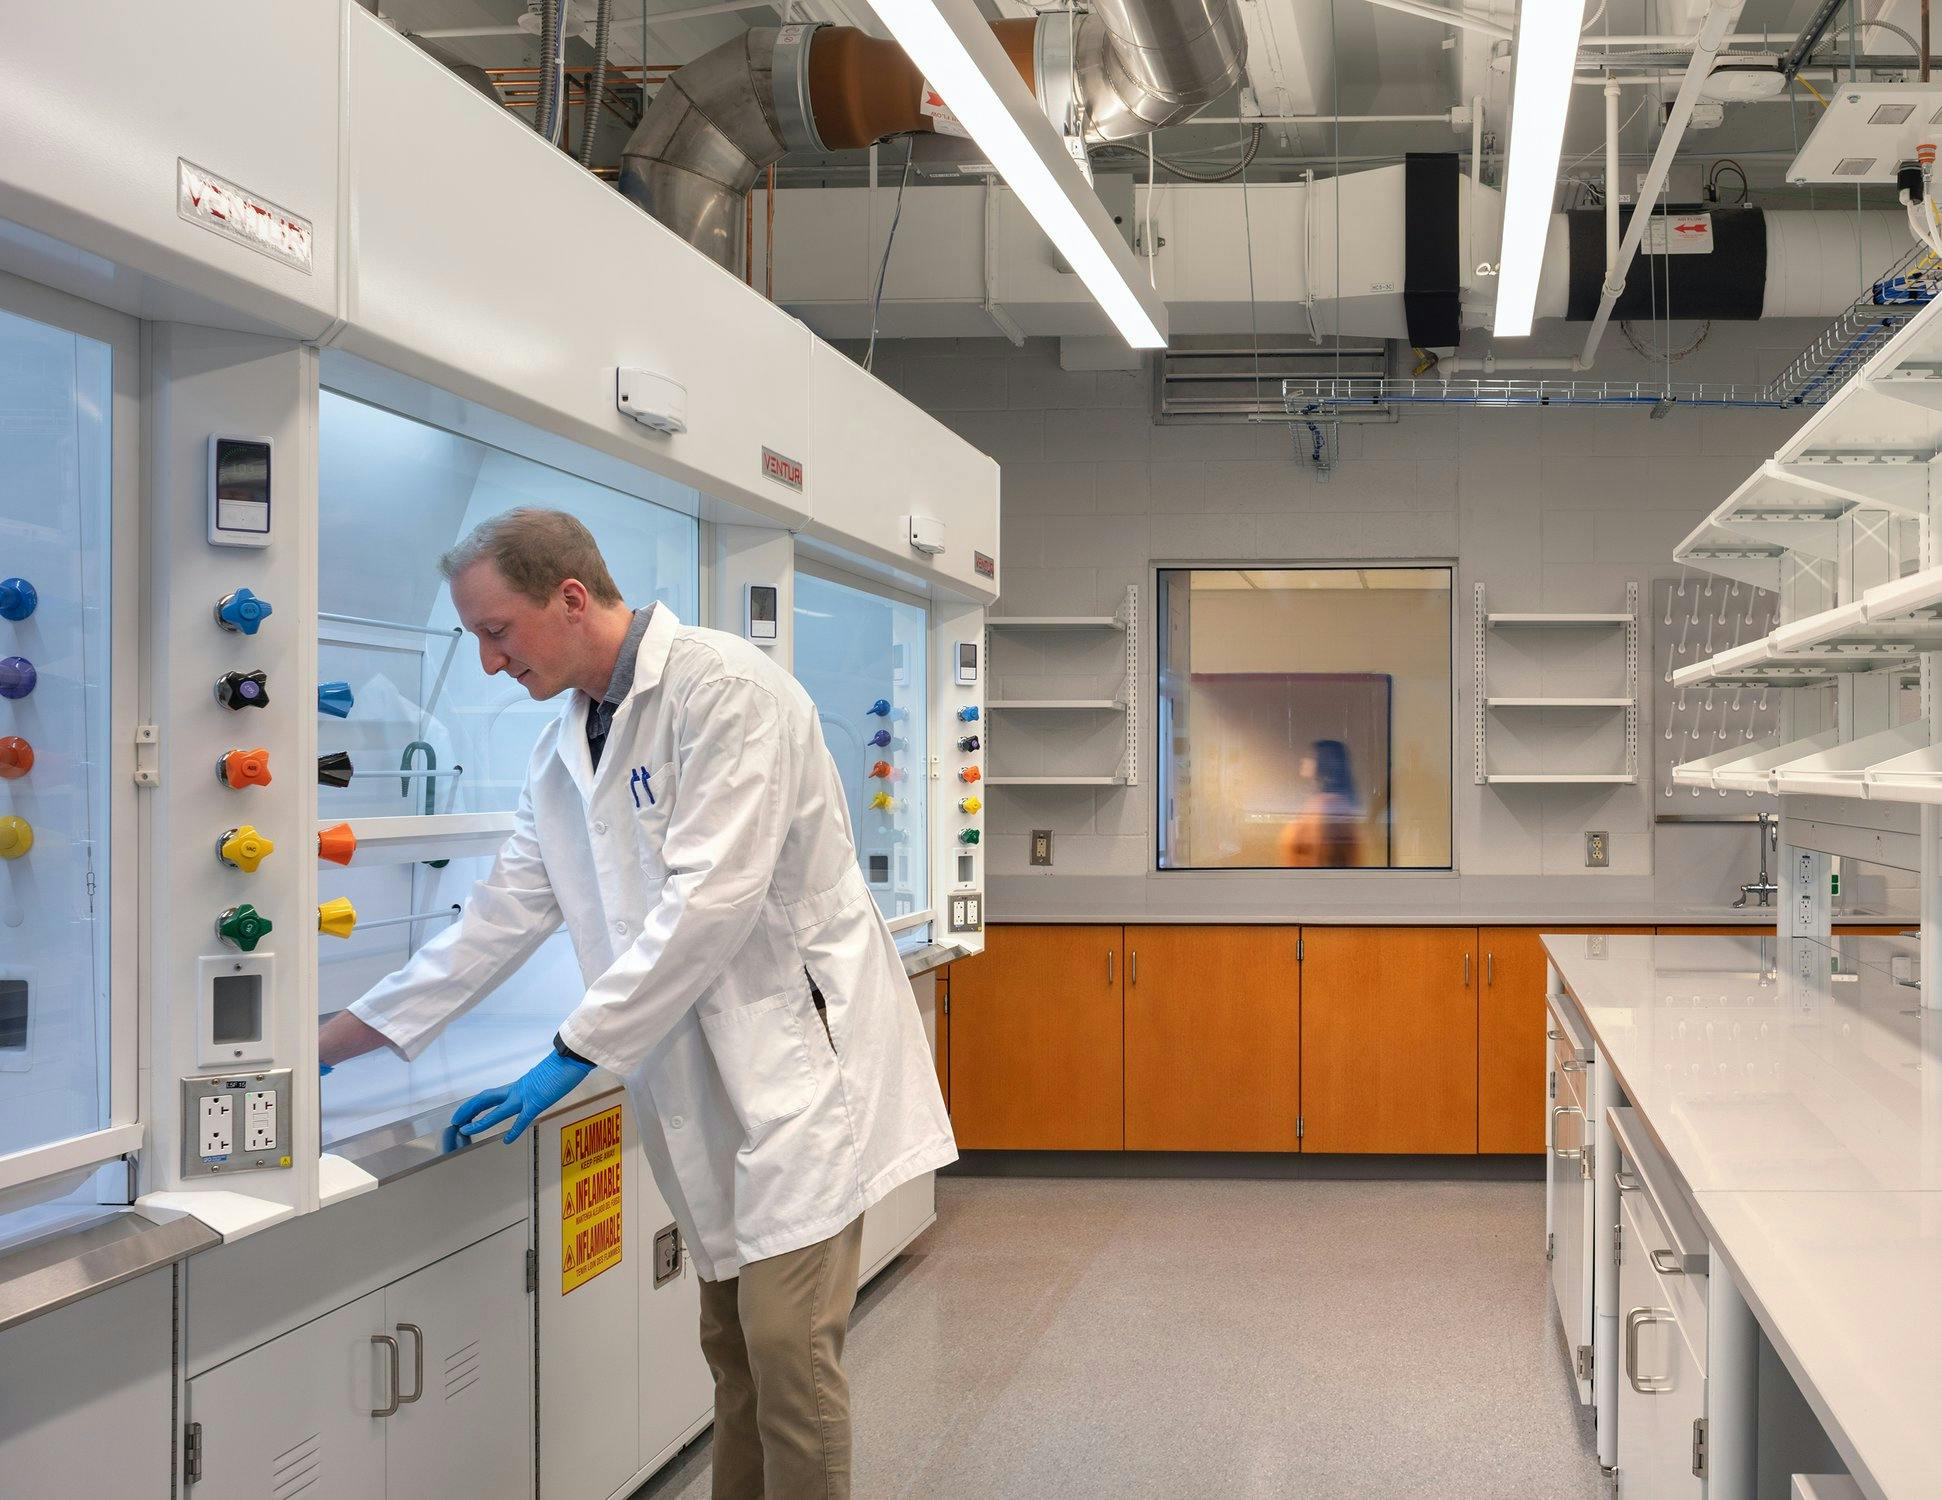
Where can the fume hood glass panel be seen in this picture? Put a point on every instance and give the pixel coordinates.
(429, 733)
(55, 597)
(1304, 718)
(860, 655)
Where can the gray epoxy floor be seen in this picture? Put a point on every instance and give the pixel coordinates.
(1074, 1338)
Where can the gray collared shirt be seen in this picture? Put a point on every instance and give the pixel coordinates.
(600, 717)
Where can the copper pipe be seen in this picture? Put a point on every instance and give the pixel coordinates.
(768, 242)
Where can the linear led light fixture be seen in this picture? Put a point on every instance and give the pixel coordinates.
(1547, 56)
(952, 43)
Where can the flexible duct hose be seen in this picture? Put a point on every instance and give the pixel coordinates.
(546, 116)
(602, 28)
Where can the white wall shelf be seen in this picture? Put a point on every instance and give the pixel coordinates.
(1055, 781)
(1015, 705)
(1055, 622)
(1625, 621)
(1064, 632)
(1558, 702)
(1563, 620)
(1559, 778)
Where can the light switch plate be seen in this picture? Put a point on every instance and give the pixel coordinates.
(1598, 850)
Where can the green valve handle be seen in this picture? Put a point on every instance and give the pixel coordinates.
(243, 927)
(969, 836)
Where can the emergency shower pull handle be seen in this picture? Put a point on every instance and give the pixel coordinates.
(392, 1345)
(417, 1365)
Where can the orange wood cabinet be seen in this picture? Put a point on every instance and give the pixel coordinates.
(1038, 1034)
(1511, 1059)
(1389, 1039)
(1213, 1038)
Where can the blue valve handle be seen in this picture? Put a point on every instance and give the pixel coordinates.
(17, 677)
(881, 708)
(335, 699)
(968, 715)
(17, 599)
(524, 1100)
(242, 611)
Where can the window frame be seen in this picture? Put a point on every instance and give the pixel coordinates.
(123, 1134)
(1162, 758)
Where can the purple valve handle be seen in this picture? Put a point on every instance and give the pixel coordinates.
(880, 738)
(17, 677)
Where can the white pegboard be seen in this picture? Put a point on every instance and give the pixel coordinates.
(1695, 616)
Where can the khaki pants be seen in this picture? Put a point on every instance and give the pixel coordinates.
(774, 1339)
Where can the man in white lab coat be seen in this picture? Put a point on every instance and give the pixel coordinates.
(685, 821)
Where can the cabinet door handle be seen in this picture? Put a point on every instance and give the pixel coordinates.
(1553, 1036)
(1109, 966)
(1636, 1319)
(391, 1407)
(1572, 1065)
(417, 1363)
(1577, 1153)
(1490, 969)
(1466, 971)
(1133, 966)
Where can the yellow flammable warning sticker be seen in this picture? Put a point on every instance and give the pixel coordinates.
(590, 1198)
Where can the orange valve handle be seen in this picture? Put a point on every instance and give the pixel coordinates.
(241, 768)
(883, 770)
(16, 757)
(336, 843)
(970, 774)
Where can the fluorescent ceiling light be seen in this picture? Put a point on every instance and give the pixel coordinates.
(1547, 56)
(952, 43)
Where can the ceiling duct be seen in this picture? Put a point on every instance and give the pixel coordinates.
(1131, 67)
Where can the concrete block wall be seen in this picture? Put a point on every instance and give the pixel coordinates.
(1549, 508)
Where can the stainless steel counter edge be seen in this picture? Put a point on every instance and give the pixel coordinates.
(69, 1264)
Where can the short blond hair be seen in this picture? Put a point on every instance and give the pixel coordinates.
(535, 550)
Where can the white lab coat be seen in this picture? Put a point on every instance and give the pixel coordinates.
(693, 916)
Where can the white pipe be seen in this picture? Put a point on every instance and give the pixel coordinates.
(1458, 18)
(1737, 39)
(1488, 364)
(620, 23)
(1611, 179)
(1712, 37)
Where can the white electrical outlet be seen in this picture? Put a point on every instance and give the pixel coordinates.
(259, 1121)
(218, 1126)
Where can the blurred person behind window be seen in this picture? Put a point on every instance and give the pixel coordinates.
(1325, 833)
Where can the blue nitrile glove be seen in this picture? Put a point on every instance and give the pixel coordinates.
(542, 1086)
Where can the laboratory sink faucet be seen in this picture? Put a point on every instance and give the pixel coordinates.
(1764, 887)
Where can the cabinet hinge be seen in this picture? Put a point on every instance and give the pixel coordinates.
(532, 1270)
(192, 1452)
(1618, 1244)
(1301, 1126)
(1589, 1158)
(1584, 1362)
(947, 1003)
(1699, 1446)
(1551, 1083)
(1550, 1247)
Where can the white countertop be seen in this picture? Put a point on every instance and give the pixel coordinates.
(1797, 1090)
(1470, 914)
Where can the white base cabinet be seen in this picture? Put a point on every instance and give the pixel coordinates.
(420, 1388)
(1569, 1115)
(1662, 1396)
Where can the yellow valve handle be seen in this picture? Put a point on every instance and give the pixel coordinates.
(16, 837)
(337, 917)
(970, 804)
(245, 848)
(883, 801)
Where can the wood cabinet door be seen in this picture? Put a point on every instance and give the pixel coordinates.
(1213, 1038)
(1389, 1039)
(1038, 1032)
(943, 1053)
(1511, 1060)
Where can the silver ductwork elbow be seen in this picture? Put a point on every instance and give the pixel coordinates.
(1135, 66)
(710, 131)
